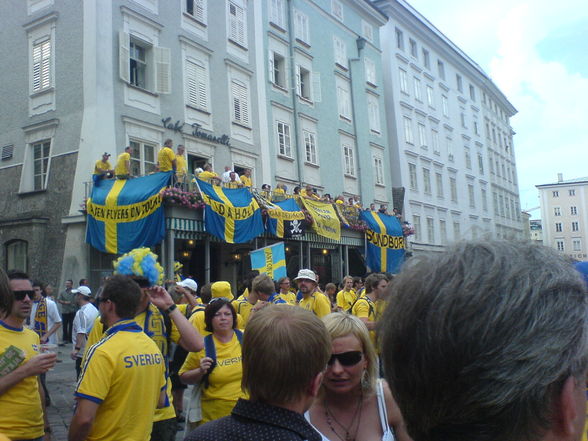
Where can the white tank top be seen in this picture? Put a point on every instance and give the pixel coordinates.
(388, 433)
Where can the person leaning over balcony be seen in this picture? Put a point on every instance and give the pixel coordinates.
(102, 169)
(122, 170)
(246, 178)
(208, 175)
(166, 158)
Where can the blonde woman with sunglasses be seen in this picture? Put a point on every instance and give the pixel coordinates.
(354, 404)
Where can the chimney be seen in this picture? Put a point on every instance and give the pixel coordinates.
(560, 177)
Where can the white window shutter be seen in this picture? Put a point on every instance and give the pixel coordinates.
(162, 56)
(202, 81)
(298, 81)
(317, 95)
(124, 69)
(272, 76)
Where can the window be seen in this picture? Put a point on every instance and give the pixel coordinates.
(560, 245)
(556, 211)
(426, 59)
(370, 71)
(577, 244)
(471, 197)
(435, 141)
(17, 255)
(484, 200)
(495, 202)
(445, 105)
(197, 9)
(572, 192)
(416, 223)
(476, 128)
(463, 120)
(456, 230)
(472, 93)
(237, 24)
(240, 96)
(283, 130)
(337, 9)
(349, 160)
(277, 69)
(408, 130)
(399, 39)
(453, 189)
(480, 163)
(344, 101)
(501, 205)
(143, 158)
(301, 27)
(379, 169)
(373, 113)
(573, 211)
(138, 65)
(412, 173)
(449, 149)
(468, 159)
(303, 83)
(431, 230)
(41, 65)
(575, 226)
(417, 89)
(555, 194)
(403, 81)
(443, 231)
(459, 82)
(310, 147)
(430, 96)
(422, 135)
(439, 182)
(41, 151)
(441, 69)
(340, 51)
(367, 31)
(427, 181)
(276, 13)
(413, 48)
(558, 227)
(197, 85)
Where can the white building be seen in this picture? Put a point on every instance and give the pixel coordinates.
(450, 136)
(564, 212)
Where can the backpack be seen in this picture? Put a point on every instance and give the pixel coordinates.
(370, 305)
(210, 352)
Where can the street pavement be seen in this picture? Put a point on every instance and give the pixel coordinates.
(61, 382)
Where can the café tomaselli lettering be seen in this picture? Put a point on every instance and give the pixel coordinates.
(178, 127)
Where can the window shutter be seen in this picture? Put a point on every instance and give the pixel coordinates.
(200, 10)
(272, 75)
(316, 87)
(124, 56)
(202, 82)
(162, 56)
(298, 81)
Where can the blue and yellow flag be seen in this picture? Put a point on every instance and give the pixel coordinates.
(231, 214)
(126, 214)
(286, 219)
(385, 242)
(270, 260)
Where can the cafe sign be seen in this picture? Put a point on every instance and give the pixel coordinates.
(194, 130)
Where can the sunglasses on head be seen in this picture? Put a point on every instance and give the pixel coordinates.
(346, 358)
(20, 295)
(101, 300)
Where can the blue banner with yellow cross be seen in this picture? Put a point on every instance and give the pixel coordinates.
(286, 219)
(270, 260)
(384, 242)
(231, 214)
(124, 214)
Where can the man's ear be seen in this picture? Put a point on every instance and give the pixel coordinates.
(569, 409)
(315, 385)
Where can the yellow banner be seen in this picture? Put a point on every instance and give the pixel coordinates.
(326, 223)
(285, 215)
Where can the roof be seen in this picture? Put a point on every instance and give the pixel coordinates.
(566, 182)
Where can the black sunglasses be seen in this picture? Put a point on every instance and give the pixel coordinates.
(350, 358)
(20, 295)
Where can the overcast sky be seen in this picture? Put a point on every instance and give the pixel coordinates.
(536, 52)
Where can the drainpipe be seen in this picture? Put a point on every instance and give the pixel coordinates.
(360, 45)
(299, 156)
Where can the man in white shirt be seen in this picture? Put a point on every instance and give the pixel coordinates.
(82, 324)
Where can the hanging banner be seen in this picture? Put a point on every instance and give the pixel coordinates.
(124, 214)
(326, 223)
(385, 242)
(270, 260)
(231, 214)
(285, 219)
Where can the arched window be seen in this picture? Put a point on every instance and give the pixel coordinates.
(17, 255)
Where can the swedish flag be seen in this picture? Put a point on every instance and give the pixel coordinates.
(270, 260)
(231, 214)
(126, 214)
(286, 219)
(385, 242)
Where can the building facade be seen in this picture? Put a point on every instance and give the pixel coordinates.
(451, 141)
(564, 215)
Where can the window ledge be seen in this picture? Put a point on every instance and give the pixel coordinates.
(306, 100)
(375, 132)
(42, 92)
(240, 124)
(31, 192)
(369, 83)
(194, 19)
(140, 89)
(310, 164)
(206, 112)
(347, 175)
(239, 45)
(340, 66)
(380, 185)
(277, 26)
(286, 158)
(344, 118)
(280, 88)
(303, 43)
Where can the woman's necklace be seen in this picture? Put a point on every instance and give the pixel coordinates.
(350, 434)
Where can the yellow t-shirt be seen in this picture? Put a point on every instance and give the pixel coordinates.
(290, 297)
(181, 166)
(243, 308)
(101, 166)
(224, 389)
(345, 299)
(207, 175)
(165, 158)
(124, 372)
(246, 181)
(244, 295)
(365, 308)
(317, 303)
(121, 164)
(21, 414)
